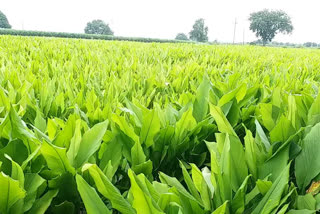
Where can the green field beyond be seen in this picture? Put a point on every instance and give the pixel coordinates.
(125, 127)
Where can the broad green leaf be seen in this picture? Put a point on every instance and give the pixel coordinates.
(200, 105)
(56, 158)
(11, 192)
(64, 207)
(304, 211)
(75, 142)
(32, 183)
(191, 185)
(125, 127)
(282, 131)
(263, 186)
(112, 154)
(314, 112)
(273, 196)
(90, 143)
(141, 202)
(63, 138)
(137, 154)
(183, 126)
(262, 136)
(221, 120)
(306, 202)
(150, 127)
(223, 209)
(42, 204)
(233, 164)
(108, 190)
(175, 183)
(251, 153)
(201, 186)
(307, 164)
(16, 172)
(90, 198)
(275, 165)
(238, 202)
(40, 122)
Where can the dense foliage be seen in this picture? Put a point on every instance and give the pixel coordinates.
(199, 31)
(122, 127)
(266, 24)
(181, 36)
(98, 27)
(4, 23)
(85, 36)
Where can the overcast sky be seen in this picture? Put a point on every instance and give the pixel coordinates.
(162, 19)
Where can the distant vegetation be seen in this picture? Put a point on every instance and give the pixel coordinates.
(4, 23)
(85, 36)
(98, 27)
(199, 31)
(267, 23)
(181, 36)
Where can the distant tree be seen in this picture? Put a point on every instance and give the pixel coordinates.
(181, 36)
(98, 27)
(267, 23)
(199, 31)
(310, 44)
(4, 21)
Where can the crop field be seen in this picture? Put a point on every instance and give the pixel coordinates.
(146, 128)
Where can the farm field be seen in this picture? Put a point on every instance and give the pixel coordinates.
(125, 127)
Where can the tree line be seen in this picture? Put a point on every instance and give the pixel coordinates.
(266, 24)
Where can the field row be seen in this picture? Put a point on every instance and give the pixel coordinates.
(122, 127)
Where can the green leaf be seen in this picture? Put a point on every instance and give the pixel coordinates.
(201, 186)
(11, 192)
(251, 153)
(221, 120)
(64, 207)
(16, 172)
(90, 198)
(273, 196)
(263, 186)
(191, 186)
(304, 211)
(150, 127)
(90, 143)
(63, 138)
(306, 202)
(56, 158)
(309, 157)
(32, 183)
(223, 209)
(175, 183)
(125, 127)
(141, 202)
(233, 164)
(200, 105)
(42, 204)
(314, 112)
(261, 135)
(282, 131)
(137, 154)
(238, 202)
(40, 122)
(108, 190)
(75, 143)
(112, 154)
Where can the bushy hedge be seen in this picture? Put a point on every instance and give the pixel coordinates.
(85, 36)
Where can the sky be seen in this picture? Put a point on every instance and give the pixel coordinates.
(162, 19)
